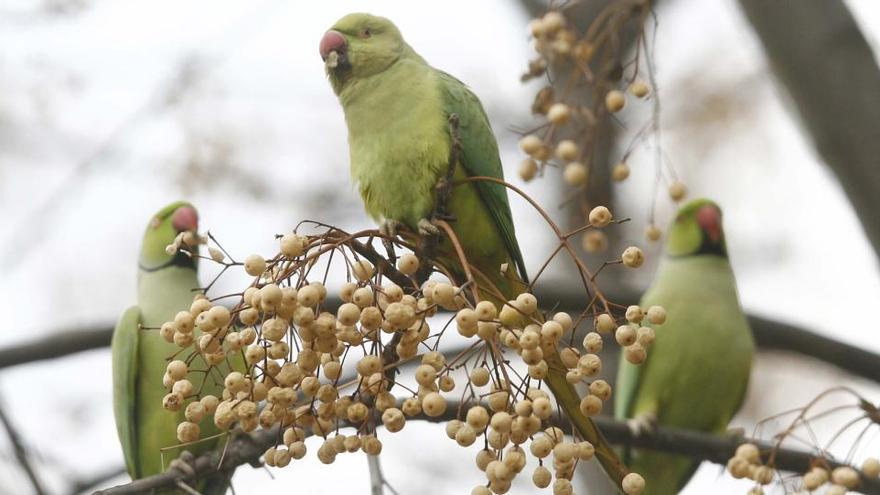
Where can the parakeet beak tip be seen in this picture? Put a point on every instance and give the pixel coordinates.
(332, 41)
(709, 219)
(185, 218)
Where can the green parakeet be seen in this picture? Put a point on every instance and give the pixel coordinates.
(397, 109)
(140, 354)
(698, 367)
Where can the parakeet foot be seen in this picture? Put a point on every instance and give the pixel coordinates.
(428, 228)
(643, 424)
(389, 227)
(184, 464)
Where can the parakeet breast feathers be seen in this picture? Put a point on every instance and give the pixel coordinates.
(707, 331)
(398, 140)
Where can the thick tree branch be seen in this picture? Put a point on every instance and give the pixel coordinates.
(78, 486)
(769, 334)
(57, 344)
(247, 449)
(717, 449)
(534, 8)
(776, 335)
(829, 69)
(242, 449)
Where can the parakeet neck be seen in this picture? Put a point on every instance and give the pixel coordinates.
(160, 292)
(698, 275)
(407, 71)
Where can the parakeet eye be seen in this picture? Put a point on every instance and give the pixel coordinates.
(365, 33)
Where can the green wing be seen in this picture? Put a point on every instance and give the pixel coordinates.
(480, 158)
(125, 355)
(706, 335)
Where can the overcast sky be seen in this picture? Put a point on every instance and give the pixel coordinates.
(90, 147)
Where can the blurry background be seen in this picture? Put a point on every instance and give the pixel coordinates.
(109, 110)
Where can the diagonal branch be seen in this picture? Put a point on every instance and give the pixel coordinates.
(82, 484)
(20, 453)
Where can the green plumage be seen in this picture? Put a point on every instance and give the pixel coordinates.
(698, 367)
(397, 109)
(140, 356)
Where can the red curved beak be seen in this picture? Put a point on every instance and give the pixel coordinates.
(332, 41)
(185, 218)
(709, 219)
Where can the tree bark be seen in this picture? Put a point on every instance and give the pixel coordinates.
(828, 68)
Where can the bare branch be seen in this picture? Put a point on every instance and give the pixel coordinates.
(768, 333)
(82, 484)
(57, 344)
(377, 479)
(20, 453)
(241, 449)
(697, 445)
(717, 449)
(772, 334)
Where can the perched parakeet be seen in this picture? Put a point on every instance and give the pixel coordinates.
(397, 109)
(166, 286)
(697, 369)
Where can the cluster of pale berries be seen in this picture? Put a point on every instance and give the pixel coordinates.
(635, 336)
(746, 463)
(187, 239)
(516, 419)
(300, 390)
(595, 241)
(555, 40)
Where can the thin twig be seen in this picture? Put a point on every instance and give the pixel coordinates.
(21, 453)
(377, 479)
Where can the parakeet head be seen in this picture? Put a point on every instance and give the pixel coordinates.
(697, 230)
(363, 44)
(161, 231)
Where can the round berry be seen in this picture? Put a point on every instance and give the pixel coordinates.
(600, 216)
(615, 100)
(558, 113)
(620, 172)
(633, 257)
(575, 174)
(639, 89)
(254, 265)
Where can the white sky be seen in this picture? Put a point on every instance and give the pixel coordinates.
(68, 83)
